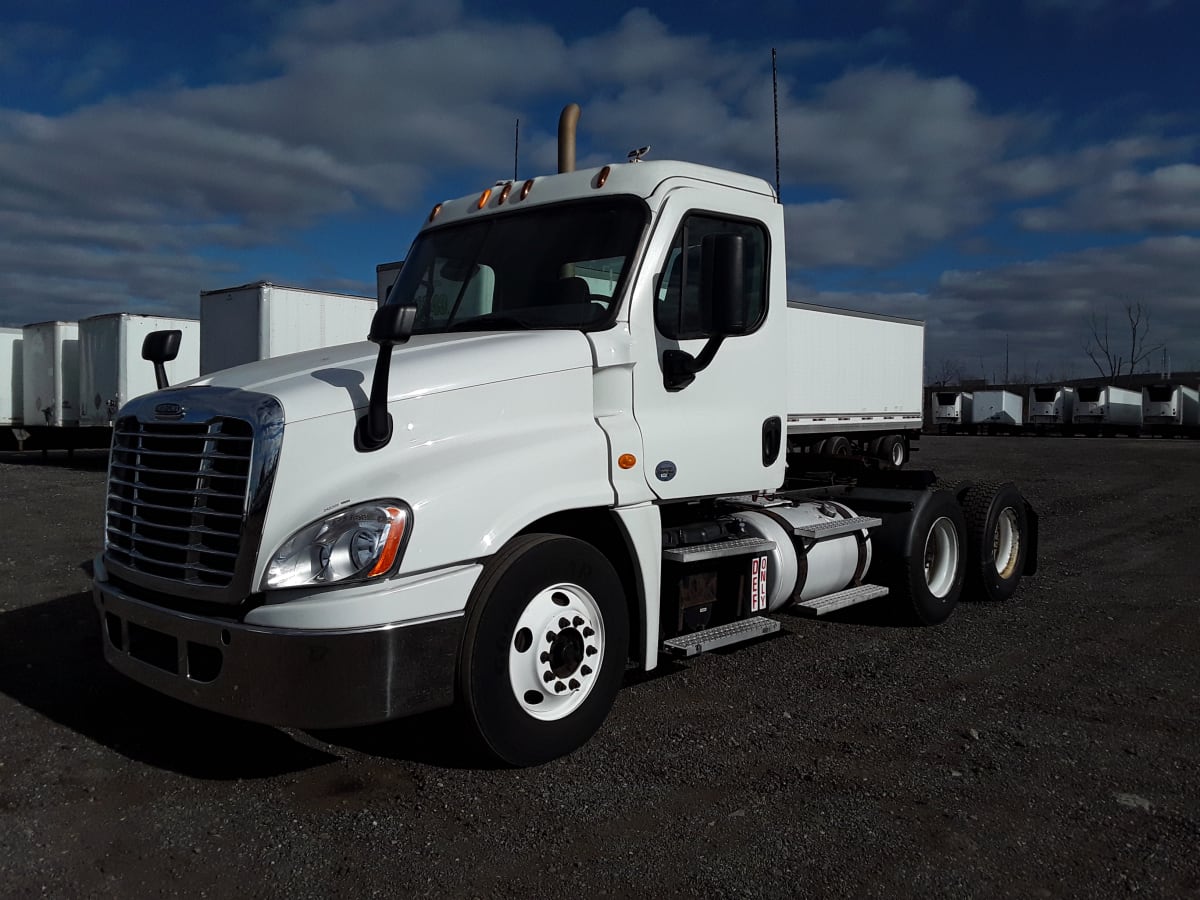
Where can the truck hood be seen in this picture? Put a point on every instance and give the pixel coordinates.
(334, 379)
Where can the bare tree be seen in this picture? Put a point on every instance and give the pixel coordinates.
(949, 372)
(1104, 350)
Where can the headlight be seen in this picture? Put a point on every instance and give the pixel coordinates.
(353, 544)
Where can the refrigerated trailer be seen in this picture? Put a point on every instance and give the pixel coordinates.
(50, 369)
(549, 478)
(11, 377)
(262, 320)
(951, 410)
(1050, 408)
(1171, 409)
(997, 412)
(111, 369)
(1107, 409)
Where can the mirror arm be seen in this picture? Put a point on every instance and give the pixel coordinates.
(680, 367)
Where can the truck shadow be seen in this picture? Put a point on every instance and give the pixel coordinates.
(440, 738)
(52, 663)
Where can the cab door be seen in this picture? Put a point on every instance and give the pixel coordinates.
(722, 431)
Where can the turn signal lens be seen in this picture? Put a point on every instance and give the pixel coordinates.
(627, 461)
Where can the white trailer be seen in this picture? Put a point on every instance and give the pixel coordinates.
(1107, 409)
(1171, 409)
(828, 399)
(11, 376)
(244, 324)
(385, 276)
(951, 409)
(1050, 407)
(50, 370)
(111, 369)
(554, 475)
(995, 412)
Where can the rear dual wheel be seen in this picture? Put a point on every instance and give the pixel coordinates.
(998, 539)
(929, 580)
(545, 648)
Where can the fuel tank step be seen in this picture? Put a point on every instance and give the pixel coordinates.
(718, 549)
(834, 527)
(818, 606)
(720, 636)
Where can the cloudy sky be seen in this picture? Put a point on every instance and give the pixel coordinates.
(1004, 169)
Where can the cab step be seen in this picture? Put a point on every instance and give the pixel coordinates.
(834, 527)
(818, 606)
(718, 550)
(720, 636)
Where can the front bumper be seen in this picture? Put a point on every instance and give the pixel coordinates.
(278, 676)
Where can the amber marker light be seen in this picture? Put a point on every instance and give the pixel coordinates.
(484, 198)
(433, 213)
(627, 461)
(391, 543)
(504, 192)
(603, 176)
(526, 188)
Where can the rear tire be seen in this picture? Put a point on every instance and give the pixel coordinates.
(893, 450)
(838, 445)
(997, 539)
(929, 579)
(534, 688)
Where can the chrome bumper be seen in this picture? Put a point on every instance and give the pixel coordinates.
(301, 679)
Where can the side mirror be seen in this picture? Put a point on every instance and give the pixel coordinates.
(722, 289)
(160, 347)
(391, 325)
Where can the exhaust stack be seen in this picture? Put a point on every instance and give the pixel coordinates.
(567, 120)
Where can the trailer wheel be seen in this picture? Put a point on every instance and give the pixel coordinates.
(997, 539)
(838, 445)
(545, 648)
(930, 578)
(892, 449)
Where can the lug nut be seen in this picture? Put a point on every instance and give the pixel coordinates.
(573, 684)
(591, 651)
(551, 635)
(563, 623)
(586, 670)
(548, 677)
(559, 688)
(577, 621)
(587, 632)
(545, 657)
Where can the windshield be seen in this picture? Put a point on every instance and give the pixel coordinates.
(560, 266)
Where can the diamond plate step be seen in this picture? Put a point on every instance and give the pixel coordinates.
(818, 606)
(721, 636)
(718, 549)
(834, 527)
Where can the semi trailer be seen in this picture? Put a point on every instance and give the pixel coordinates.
(1050, 408)
(1171, 410)
(952, 411)
(1105, 409)
(997, 412)
(532, 479)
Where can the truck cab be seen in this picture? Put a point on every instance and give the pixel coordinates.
(567, 453)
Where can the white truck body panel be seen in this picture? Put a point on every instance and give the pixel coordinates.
(12, 398)
(1171, 404)
(1107, 404)
(952, 407)
(852, 371)
(1051, 404)
(50, 370)
(111, 369)
(260, 321)
(997, 408)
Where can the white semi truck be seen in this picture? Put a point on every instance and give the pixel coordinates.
(538, 478)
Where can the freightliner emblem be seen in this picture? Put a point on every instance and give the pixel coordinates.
(168, 411)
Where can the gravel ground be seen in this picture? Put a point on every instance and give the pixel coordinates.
(1048, 746)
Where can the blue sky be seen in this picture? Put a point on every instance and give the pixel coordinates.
(1008, 171)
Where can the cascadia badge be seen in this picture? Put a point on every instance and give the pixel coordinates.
(168, 411)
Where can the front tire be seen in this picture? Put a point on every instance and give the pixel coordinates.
(545, 648)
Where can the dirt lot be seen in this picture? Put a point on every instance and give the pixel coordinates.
(1048, 746)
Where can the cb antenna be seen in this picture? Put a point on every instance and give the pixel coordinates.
(516, 147)
(775, 94)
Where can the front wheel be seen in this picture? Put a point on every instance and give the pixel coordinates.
(545, 648)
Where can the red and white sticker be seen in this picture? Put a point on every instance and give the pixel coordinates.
(758, 584)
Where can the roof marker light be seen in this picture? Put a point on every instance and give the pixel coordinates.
(433, 213)
(483, 198)
(505, 191)
(603, 176)
(526, 188)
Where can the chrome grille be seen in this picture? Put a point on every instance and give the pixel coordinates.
(177, 498)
